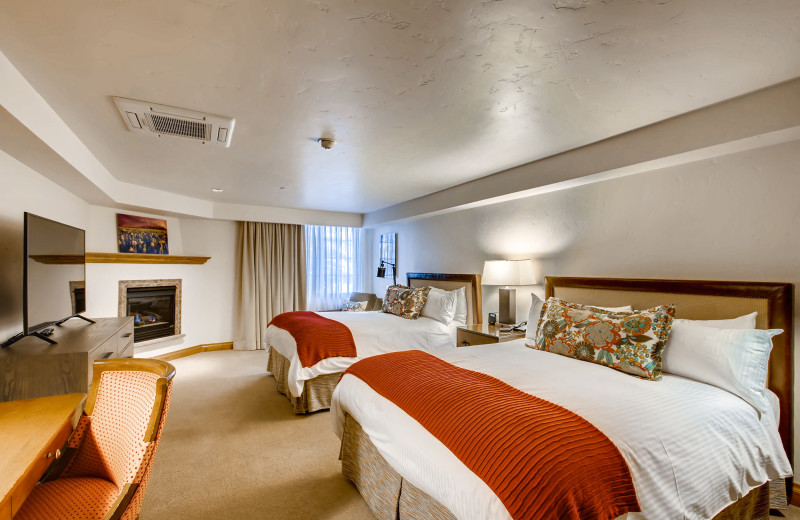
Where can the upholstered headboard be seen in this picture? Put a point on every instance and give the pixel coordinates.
(705, 300)
(450, 282)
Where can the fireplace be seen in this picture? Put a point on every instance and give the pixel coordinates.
(153, 311)
(155, 306)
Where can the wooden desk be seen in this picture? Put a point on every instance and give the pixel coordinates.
(30, 433)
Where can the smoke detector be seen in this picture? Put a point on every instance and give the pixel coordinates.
(156, 120)
(326, 142)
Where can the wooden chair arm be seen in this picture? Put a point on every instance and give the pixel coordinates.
(121, 504)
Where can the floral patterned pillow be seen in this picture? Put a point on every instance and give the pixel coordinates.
(630, 342)
(404, 301)
(349, 306)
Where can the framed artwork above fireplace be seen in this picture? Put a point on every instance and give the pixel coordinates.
(141, 235)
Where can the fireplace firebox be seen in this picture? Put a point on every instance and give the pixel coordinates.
(155, 306)
(153, 311)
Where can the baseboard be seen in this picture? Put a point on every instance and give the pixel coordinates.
(795, 494)
(197, 349)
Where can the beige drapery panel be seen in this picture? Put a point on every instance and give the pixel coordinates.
(271, 278)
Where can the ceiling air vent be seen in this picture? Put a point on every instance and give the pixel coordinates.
(161, 120)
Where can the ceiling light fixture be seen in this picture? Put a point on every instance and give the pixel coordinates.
(326, 142)
(217, 190)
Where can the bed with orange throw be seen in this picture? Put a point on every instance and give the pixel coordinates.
(498, 432)
(462, 430)
(317, 337)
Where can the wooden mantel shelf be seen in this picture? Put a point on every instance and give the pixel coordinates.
(135, 258)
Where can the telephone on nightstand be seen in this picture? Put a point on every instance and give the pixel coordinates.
(522, 327)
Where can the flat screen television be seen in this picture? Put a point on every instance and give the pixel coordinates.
(54, 287)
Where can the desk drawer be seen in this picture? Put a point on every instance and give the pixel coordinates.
(105, 351)
(124, 337)
(108, 349)
(466, 338)
(127, 350)
(38, 467)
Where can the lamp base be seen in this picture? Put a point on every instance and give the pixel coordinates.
(508, 307)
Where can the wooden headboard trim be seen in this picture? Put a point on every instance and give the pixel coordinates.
(780, 301)
(473, 280)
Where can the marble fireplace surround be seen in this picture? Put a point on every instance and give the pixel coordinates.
(123, 298)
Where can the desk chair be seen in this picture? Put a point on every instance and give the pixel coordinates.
(106, 466)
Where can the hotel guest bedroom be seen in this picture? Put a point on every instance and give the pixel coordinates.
(427, 259)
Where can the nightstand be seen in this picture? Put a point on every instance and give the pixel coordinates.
(482, 334)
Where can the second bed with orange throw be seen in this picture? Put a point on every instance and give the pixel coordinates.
(502, 434)
(317, 337)
(691, 448)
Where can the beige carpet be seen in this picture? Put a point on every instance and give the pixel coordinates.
(233, 449)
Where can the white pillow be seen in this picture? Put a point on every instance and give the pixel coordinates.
(461, 305)
(735, 360)
(624, 308)
(536, 312)
(533, 316)
(748, 321)
(440, 305)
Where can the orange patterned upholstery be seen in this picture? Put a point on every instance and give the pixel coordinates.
(111, 444)
(68, 498)
(110, 469)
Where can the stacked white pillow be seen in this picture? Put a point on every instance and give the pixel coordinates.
(441, 305)
(730, 354)
(748, 321)
(461, 305)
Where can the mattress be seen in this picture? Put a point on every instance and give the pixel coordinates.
(373, 332)
(692, 449)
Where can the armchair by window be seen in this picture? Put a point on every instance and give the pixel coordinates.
(373, 302)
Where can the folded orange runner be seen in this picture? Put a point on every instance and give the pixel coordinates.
(542, 460)
(317, 337)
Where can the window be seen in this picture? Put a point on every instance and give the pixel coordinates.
(335, 263)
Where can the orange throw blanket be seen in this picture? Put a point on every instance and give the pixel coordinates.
(317, 337)
(540, 459)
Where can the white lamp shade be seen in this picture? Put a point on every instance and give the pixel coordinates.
(508, 272)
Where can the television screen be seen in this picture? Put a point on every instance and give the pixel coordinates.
(55, 274)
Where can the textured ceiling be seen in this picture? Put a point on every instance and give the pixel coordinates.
(420, 95)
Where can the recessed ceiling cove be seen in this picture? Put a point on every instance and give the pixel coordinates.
(421, 95)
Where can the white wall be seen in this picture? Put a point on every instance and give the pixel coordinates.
(208, 289)
(732, 218)
(25, 190)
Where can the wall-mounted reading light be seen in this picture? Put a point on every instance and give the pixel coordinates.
(382, 270)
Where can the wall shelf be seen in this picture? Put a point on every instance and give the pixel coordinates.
(134, 258)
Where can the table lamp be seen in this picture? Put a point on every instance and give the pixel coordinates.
(507, 273)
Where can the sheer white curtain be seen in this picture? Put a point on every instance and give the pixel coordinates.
(336, 265)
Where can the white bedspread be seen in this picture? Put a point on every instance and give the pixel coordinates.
(374, 333)
(692, 449)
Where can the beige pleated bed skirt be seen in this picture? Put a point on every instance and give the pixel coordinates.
(316, 393)
(390, 497)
